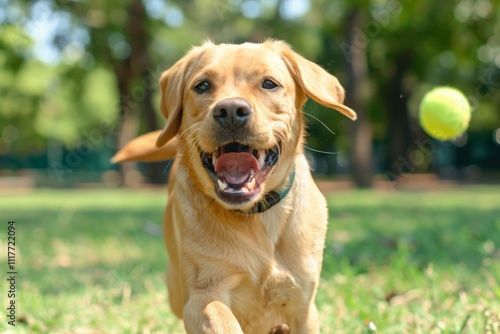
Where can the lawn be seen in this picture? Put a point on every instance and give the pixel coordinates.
(92, 261)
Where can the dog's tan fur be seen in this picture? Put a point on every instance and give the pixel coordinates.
(229, 271)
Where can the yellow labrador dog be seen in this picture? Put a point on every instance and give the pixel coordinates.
(245, 223)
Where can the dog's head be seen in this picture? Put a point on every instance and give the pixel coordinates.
(236, 110)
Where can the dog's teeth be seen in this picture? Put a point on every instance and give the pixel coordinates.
(222, 185)
(214, 160)
(261, 158)
(251, 185)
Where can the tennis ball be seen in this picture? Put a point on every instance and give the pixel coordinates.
(444, 113)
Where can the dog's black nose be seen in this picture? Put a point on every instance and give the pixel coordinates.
(232, 113)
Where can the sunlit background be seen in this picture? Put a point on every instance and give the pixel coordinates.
(417, 252)
(78, 79)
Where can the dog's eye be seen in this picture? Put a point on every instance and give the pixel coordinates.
(269, 85)
(202, 87)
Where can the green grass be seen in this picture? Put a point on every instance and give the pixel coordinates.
(395, 262)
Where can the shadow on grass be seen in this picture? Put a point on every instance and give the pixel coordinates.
(66, 250)
(390, 236)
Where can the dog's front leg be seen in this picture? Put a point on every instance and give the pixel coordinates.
(203, 314)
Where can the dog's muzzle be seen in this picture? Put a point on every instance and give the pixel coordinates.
(238, 170)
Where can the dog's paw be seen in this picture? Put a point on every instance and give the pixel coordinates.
(280, 329)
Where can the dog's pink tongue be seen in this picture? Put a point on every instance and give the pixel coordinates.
(236, 167)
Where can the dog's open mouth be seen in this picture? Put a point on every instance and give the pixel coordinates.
(239, 170)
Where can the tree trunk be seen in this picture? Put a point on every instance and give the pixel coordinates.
(360, 131)
(141, 62)
(154, 171)
(128, 121)
(136, 100)
(399, 133)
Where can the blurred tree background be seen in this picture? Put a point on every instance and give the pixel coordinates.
(79, 78)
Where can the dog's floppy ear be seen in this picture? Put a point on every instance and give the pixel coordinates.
(172, 83)
(314, 81)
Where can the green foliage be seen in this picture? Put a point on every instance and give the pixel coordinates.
(447, 43)
(74, 107)
(400, 262)
(41, 101)
(436, 43)
(14, 39)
